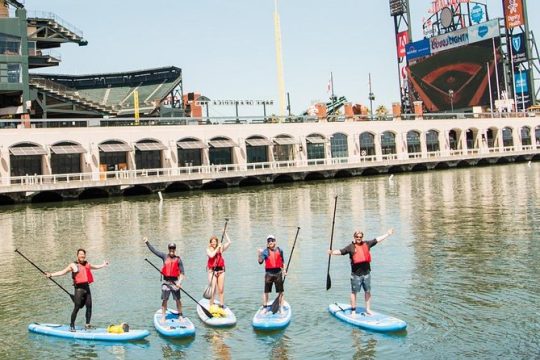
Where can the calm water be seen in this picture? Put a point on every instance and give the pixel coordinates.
(462, 268)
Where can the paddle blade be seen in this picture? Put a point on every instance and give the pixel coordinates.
(328, 282)
(275, 305)
(206, 312)
(208, 292)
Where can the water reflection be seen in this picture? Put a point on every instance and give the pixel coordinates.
(365, 345)
(220, 349)
(464, 256)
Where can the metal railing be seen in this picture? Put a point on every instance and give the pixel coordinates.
(230, 120)
(51, 16)
(219, 171)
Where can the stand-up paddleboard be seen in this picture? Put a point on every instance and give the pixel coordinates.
(221, 316)
(264, 319)
(376, 321)
(174, 325)
(98, 334)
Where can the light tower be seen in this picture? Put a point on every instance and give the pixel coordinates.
(279, 61)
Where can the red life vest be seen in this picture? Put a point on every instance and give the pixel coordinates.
(171, 267)
(274, 259)
(361, 254)
(83, 274)
(216, 261)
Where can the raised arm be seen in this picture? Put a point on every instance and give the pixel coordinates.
(153, 249)
(96, 267)
(384, 236)
(68, 268)
(227, 243)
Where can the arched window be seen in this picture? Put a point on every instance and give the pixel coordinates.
(367, 144)
(526, 136)
(508, 139)
(413, 142)
(339, 146)
(388, 143)
(432, 141)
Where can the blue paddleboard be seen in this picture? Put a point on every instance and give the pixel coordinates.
(99, 334)
(376, 321)
(264, 319)
(174, 326)
(221, 316)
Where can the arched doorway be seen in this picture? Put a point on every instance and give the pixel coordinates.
(66, 158)
(26, 159)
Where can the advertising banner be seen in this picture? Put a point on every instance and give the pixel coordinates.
(518, 48)
(449, 40)
(513, 13)
(521, 79)
(418, 49)
(483, 31)
(402, 40)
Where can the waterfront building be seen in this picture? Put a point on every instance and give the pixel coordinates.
(40, 163)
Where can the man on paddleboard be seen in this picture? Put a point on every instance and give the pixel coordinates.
(274, 261)
(82, 278)
(173, 274)
(359, 253)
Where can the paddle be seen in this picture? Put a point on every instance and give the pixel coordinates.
(206, 312)
(275, 304)
(43, 272)
(207, 294)
(328, 280)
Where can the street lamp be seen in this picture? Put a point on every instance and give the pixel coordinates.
(371, 97)
(451, 95)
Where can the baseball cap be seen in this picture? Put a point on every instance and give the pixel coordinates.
(270, 238)
(172, 246)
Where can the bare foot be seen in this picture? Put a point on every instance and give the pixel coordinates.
(368, 312)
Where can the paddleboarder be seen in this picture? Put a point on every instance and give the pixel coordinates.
(81, 271)
(216, 267)
(274, 262)
(173, 274)
(360, 256)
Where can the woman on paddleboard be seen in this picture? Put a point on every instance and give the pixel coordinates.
(216, 267)
(274, 263)
(360, 256)
(82, 278)
(173, 274)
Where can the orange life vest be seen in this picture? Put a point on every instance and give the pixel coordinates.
(274, 259)
(361, 254)
(216, 261)
(171, 267)
(83, 274)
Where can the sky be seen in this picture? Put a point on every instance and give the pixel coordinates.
(226, 48)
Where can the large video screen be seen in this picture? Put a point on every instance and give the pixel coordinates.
(456, 78)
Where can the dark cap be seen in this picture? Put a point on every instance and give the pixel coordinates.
(172, 246)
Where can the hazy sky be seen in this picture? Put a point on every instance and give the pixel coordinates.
(226, 47)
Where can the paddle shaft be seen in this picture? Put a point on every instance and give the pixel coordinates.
(43, 272)
(328, 279)
(207, 313)
(290, 256)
